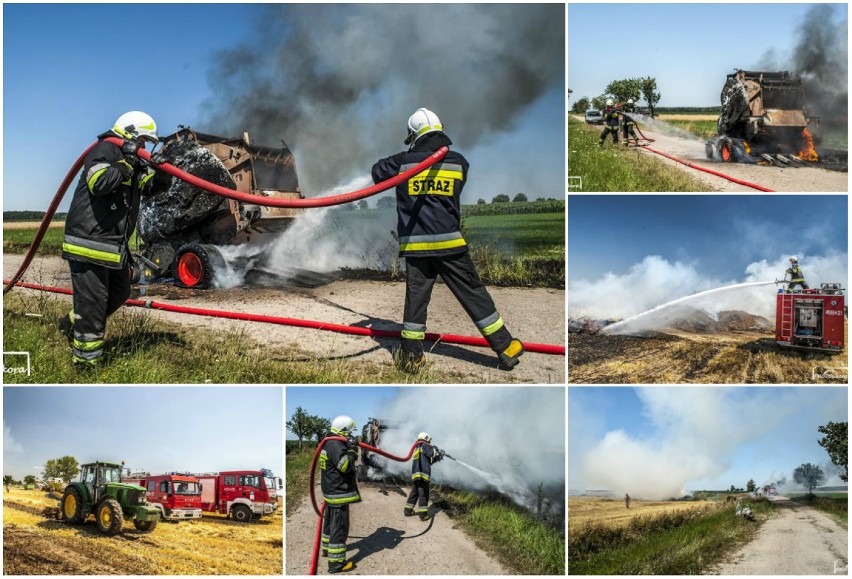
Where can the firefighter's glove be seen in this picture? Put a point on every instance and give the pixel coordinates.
(159, 158)
(125, 168)
(352, 446)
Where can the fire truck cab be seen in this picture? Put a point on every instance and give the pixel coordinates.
(811, 318)
(240, 494)
(177, 496)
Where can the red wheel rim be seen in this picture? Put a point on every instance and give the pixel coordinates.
(190, 270)
(726, 152)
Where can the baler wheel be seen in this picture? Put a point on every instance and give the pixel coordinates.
(196, 265)
(726, 150)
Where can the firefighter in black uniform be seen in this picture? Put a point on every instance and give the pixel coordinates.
(425, 455)
(339, 490)
(796, 275)
(100, 222)
(430, 240)
(610, 119)
(628, 125)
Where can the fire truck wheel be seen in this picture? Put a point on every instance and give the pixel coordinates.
(196, 265)
(241, 513)
(147, 526)
(72, 506)
(109, 516)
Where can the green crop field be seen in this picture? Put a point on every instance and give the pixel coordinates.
(705, 129)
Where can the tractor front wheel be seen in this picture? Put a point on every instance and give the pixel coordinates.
(72, 506)
(242, 514)
(146, 526)
(109, 516)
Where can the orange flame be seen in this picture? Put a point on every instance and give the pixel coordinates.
(808, 152)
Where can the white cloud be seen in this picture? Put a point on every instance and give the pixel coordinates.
(9, 442)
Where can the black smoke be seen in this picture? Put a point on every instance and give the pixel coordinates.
(821, 59)
(338, 82)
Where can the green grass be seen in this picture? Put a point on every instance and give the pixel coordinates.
(616, 168)
(685, 542)
(703, 129)
(143, 350)
(517, 538)
(19, 240)
(298, 472)
(835, 504)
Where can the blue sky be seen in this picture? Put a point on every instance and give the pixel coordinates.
(687, 47)
(720, 234)
(69, 70)
(360, 403)
(725, 436)
(196, 429)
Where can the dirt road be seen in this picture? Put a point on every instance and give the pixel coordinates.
(776, 178)
(384, 542)
(799, 541)
(533, 314)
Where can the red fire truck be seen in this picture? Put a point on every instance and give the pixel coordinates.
(241, 494)
(811, 318)
(177, 496)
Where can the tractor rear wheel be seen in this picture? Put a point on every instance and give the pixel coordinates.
(242, 514)
(72, 506)
(109, 516)
(147, 526)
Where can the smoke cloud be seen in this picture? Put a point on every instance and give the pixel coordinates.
(655, 281)
(516, 436)
(696, 435)
(339, 81)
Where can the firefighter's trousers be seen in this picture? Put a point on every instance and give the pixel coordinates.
(98, 293)
(609, 130)
(792, 285)
(335, 531)
(459, 273)
(419, 497)
(629, 129)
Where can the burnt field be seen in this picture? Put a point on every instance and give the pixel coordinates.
(678, 356)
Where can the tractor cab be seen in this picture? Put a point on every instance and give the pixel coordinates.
(97, 475)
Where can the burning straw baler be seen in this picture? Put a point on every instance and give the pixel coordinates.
(812, 318)
(180, 224)
(763, 119)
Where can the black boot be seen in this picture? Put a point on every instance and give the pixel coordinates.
(341, 567)
(65, 327)
(408, 361)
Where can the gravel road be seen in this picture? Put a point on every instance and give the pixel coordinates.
(799, 541)
(384, 542)
(532, 314)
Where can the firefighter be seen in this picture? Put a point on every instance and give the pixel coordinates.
(626, 500)
(610, 119)
(430, 240)
(796, 275)
(628, 125)
(100, 221)
(339, 490)
(425, 455)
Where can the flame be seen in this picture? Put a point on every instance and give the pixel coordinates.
(808, 152)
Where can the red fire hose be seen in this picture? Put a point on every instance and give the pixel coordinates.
(319, 509)
(716, 173)
(328, 327)
(217, 190)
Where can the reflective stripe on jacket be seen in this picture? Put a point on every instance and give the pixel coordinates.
(421, 465)
(796, 274)
(338, 480)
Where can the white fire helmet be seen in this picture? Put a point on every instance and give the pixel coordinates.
(136, 125)
(342, 425)
(609, 102)
(424, 436)
(794, 259)
(630, 101)
(421, 122)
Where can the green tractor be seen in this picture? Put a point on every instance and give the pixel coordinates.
(101, 493)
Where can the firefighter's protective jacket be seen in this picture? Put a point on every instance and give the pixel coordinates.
(610, 118)
(338, 479)
(421, 465)
(796, 274)
(105, 207)
(427, 205)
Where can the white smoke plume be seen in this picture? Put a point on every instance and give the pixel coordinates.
(698, 430)
(656, 280)
(516, 436)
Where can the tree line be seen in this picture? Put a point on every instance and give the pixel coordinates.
(621, 91)
(308, 426)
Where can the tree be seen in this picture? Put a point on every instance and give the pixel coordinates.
(581, 106)
(500, 198)
(7, 480)
(300, 424)
(836, 443)
(750, 485)
(622, 90)
(29, 479)
(65, 468)
(386, 202)
(480, 201)
(809, 476)
(362, 204)
(319, 427)
(649, 92)
(599, 102)
(520, 198)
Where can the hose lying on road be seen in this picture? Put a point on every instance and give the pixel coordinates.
(319, 509)
(552, 349)
(716, 173)
(217, 190)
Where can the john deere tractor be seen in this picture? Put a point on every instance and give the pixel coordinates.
(101, 493)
